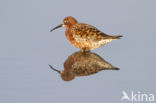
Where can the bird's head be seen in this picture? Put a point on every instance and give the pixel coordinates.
(67, 23)
(65, 75)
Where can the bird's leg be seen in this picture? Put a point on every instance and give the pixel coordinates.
(84, 50)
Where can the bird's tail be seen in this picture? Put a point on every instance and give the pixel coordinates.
(117, 37)
(112, 68)
(115, 68)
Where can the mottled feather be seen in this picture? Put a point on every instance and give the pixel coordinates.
(88, 32)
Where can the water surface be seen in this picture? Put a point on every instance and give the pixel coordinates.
(27, 49)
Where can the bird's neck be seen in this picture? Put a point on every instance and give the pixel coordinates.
(69, 35)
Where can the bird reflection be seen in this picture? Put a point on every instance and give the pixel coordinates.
(83, 64)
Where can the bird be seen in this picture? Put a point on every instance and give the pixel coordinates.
(83, 64)
(84, 36)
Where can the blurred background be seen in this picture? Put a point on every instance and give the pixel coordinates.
(27, 47)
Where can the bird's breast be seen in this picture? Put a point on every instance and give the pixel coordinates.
(69, 36)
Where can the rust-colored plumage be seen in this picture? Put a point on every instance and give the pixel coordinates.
(83, 64)
(83, 36)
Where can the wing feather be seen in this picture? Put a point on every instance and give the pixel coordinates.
(84, 32)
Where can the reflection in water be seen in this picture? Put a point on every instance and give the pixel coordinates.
(83, 64)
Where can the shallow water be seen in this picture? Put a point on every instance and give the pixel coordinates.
(27, 49)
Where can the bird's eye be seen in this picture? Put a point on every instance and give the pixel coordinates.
(65, 22)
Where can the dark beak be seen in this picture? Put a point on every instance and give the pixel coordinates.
(54, 69)
(56, 27)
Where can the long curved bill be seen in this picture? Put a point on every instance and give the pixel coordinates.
(54, 69)
(56, 27)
